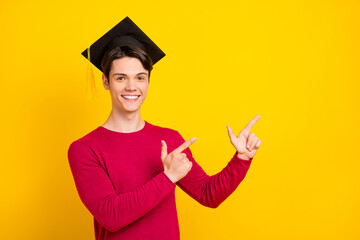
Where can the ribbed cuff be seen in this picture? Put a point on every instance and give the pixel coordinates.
(237, 157)
(168, 179)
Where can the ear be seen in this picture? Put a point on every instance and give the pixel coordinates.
(105, 82)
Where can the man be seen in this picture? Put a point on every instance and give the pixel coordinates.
(127, 169)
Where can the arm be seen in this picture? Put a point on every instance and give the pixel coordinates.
(113, 211)
(211, 191)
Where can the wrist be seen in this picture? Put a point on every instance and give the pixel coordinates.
(170, 177)
(242, 156)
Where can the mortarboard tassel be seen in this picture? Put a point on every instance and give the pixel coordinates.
(90, 86)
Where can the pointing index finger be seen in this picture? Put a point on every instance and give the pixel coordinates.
(251, 123)
(184, 146)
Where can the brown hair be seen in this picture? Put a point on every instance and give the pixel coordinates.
(125, 51)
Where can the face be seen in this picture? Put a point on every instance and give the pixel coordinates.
(129, 84)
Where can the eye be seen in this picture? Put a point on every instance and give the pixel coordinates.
(120, 78)
(141, 78)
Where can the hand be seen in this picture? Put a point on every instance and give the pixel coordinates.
(246, 143)
(176, 164)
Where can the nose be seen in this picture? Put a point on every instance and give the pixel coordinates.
(130, 85)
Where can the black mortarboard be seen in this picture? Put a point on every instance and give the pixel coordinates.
(124, 33)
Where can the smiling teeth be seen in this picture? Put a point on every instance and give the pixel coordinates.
(130, 97)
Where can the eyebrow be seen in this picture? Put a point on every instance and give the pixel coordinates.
(123, 74)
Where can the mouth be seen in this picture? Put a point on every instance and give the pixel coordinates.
(131, 98)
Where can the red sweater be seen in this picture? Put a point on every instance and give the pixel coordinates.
(120, 180)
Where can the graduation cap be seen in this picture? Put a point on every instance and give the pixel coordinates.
(125, 33)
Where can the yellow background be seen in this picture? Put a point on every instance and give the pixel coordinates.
(296, 63)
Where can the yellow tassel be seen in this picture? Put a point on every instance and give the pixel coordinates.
(90, 86)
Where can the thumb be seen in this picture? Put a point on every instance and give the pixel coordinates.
(231, 133)
(163, 150)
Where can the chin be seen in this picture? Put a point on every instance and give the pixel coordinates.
(130, 109)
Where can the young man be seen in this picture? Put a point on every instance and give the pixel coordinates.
(127, 169)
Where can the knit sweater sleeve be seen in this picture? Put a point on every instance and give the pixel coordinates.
(211, 191)
(111, 209)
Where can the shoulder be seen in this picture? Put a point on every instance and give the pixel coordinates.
(171, 136)
(165, 131)
(86, 142)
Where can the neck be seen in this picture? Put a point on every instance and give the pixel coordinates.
(124, 122)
